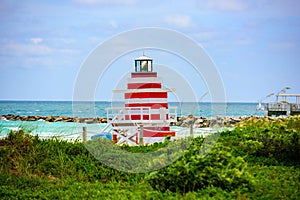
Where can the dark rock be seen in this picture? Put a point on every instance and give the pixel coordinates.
(90, 121)
(50, 119)
(103, 120)
(57, 119)
(199, 121)
(31, 118)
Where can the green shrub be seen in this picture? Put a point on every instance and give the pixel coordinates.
(193, 172)
(276, 138)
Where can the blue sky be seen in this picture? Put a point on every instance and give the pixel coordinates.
(254, 44)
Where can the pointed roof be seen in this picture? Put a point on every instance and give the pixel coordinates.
(143, 57)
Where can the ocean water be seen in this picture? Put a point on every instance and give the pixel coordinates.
(97, 109)
(90, 109)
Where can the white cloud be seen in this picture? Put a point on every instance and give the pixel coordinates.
(95, 39)
(180, 21)
(113, 24)
(244, 41)
(62, 40)
(111, 2)
(36, 40)
(206, 35)
(282, 46)
(259, 7)
(25, 49)
(226, 5)
(19, 49)
(277, 7)
(32, 62)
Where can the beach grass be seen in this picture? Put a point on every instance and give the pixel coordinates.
(256, 160)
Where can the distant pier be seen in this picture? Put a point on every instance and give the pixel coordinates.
(284, 105)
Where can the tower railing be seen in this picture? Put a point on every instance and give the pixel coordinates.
(140, 114)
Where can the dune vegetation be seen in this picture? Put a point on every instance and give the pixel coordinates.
(258, 159)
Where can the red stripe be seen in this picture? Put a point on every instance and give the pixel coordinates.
(164, 128)
(136, 117)
(143, 85)
(146, 95)
(144, 75)
(152, 105)
(159, 133)
(157, 117)
(145, 117)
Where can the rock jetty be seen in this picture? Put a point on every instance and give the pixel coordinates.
(202, 122)
(12, 117)
(183, 121)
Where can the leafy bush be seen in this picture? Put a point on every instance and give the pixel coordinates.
(14, 148)
(271, 138)
(138, 159)
(193, 172)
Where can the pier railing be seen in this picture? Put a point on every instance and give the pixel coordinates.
(282, 108)
(277, 106)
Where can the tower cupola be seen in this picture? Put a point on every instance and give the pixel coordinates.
(143, 64)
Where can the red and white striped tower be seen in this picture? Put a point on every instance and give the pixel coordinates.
(146, 102)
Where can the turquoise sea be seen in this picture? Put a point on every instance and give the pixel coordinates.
(97, 109)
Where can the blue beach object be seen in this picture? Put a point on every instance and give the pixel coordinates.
(102, 135)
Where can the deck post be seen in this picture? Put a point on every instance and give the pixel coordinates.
(192, 130)
(141, 135)
(84, 134)
(288, 109)
(191, 120)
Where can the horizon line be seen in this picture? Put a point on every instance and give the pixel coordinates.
(60, 100)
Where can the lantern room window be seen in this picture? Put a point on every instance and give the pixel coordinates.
(137, 66)
(143, 64)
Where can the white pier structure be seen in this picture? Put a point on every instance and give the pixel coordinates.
(284, 107)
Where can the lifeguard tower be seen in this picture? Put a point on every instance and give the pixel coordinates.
(146, 115)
